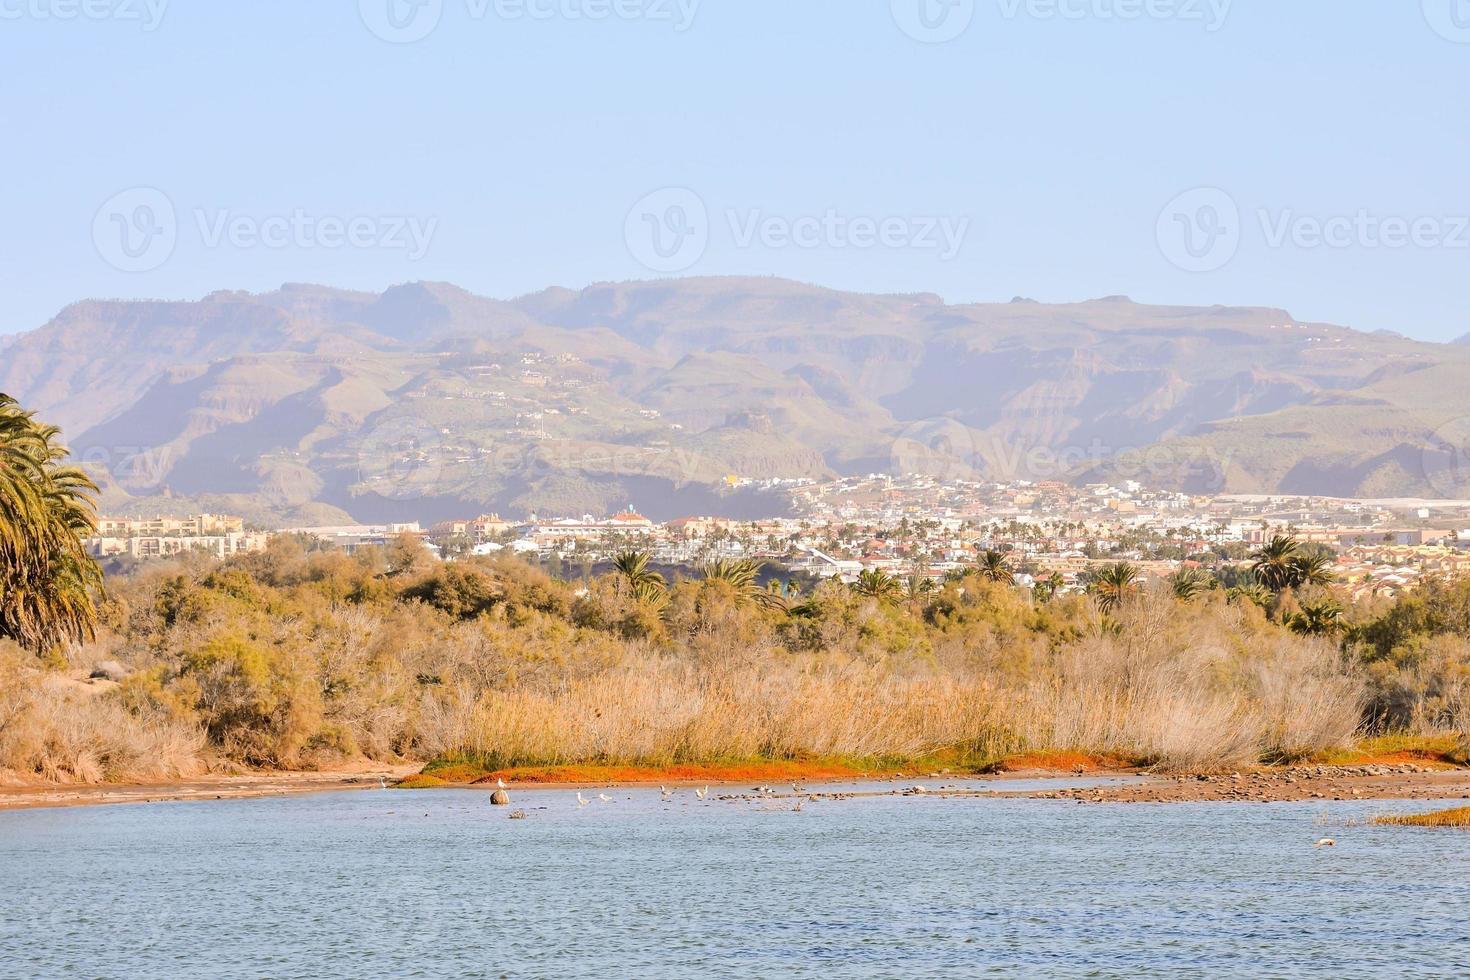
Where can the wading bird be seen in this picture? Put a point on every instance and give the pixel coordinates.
(580, 800)
(702, 793)
(604, 797)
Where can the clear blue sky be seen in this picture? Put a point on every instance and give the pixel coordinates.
(521, 144)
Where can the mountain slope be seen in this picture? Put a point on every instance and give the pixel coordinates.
(428, 401)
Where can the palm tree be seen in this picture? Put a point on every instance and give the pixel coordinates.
(1274, 563)
(743, 576)
(1188, 583)
(646, 584)
(46, 508)
(873, 583)
(995, 566)
(1113, 585)
(1317, 619)
(1312, 570)
(1250, 591)
(917, 588)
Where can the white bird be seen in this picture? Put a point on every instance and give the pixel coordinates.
(604, 797)
(1326, 842)
(501, 783)
(382, 783)
(702, 793)
(666, 793)
(580, 800)
(799, 802)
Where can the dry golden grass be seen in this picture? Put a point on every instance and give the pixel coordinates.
(275, 664)
(1439, 818)
(51, 731)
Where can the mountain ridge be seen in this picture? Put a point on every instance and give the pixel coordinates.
(428, 398)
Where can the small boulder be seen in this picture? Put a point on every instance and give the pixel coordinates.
(500, 798)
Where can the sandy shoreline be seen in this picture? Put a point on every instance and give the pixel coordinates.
(1304, 783)
(204, 788)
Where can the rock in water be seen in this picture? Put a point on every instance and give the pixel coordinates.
(500, 798)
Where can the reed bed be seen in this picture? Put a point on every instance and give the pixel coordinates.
(1439, 818)
(306, 662)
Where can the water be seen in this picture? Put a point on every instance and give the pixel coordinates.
(428, 884)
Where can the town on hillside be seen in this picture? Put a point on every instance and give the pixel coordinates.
(1053, 533)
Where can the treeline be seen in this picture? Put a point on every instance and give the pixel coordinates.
(298, 658)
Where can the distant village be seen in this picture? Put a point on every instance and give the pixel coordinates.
(916, 526)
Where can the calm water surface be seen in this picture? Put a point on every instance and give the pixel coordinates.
(440, 884)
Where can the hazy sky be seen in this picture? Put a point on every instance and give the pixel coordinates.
(980, 149)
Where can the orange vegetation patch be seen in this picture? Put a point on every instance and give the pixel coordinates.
(1061, 762)
(1439, 818)
(1398, 758)
(711, 773)
(1449, 751)
(421, 781)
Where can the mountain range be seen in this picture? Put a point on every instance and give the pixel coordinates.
(311, 404)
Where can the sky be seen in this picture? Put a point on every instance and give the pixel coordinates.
(1304, 154)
